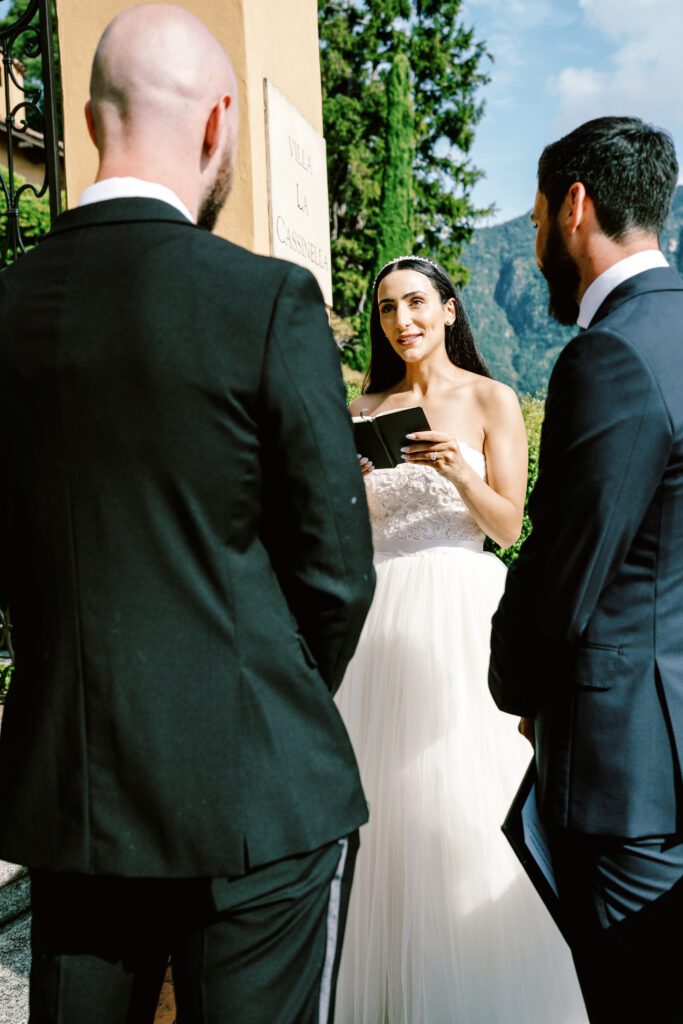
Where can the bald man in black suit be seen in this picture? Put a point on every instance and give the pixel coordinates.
(187, 560)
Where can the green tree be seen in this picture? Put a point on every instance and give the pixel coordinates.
(395, 232)
(359, 39)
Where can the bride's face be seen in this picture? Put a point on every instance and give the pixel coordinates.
(412, 315)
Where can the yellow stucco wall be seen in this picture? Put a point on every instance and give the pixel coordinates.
(275, 39)
(282, 45)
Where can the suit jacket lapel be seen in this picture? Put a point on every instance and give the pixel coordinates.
(658, 279)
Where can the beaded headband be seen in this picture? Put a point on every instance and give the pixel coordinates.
(398, 259)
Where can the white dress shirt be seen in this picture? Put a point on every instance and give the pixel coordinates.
(597, 292)
(132, 188)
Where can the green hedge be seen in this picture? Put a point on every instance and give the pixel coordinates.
(532, 411)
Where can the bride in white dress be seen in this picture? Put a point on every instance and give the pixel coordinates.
(443, 927)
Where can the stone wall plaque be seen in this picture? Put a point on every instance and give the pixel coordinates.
(297, 187)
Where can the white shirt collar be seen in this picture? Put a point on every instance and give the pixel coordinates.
(132, 188)
(597, 292)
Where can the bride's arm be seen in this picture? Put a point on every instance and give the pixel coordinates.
(496, 505)
(507, 467)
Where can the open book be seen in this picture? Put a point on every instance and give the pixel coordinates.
(380, 438)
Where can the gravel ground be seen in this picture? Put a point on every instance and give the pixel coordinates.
(15, 961)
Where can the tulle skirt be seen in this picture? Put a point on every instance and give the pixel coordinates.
(443, 925)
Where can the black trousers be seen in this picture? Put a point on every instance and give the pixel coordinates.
(623, 902)
(260, 949)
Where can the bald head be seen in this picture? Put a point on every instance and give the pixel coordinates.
(163, 97)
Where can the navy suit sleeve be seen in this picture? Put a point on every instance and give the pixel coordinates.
(317, 525)
(605, 443)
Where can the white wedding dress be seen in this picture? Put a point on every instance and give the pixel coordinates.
(444, 926)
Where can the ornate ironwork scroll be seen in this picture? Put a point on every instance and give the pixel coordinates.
(29, 36)
(28, 121)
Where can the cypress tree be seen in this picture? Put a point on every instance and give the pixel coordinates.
(395, 230)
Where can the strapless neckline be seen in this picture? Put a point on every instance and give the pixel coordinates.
(414, 506)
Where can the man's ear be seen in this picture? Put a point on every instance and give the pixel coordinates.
(90, 121)
(574, 208)
(212, 131)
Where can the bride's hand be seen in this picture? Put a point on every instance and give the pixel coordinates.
(365, 465)
(439, 451)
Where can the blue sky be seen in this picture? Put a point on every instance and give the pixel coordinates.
(558, 63)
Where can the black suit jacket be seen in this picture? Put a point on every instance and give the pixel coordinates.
(588, 638)
(186, 553)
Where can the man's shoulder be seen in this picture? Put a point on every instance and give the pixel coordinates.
(622, 353)
(635, 313)
(593, 356)
(632, 307)
(230, 252)
(645, 314)
(152, 220)
(266, 271)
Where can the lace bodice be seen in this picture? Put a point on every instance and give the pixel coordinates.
(415, 504)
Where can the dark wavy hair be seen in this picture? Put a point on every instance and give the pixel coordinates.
(628, 168)
(386, 366)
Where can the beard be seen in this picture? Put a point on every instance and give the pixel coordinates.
(215, 198)
(563, 277)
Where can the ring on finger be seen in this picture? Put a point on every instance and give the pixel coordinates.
(433, 456)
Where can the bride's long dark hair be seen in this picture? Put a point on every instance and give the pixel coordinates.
(386, 366)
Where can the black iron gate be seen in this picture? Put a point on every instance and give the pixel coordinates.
(29, 122)
(28, 119)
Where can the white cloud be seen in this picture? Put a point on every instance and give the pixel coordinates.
(644, 73)
(615, 17)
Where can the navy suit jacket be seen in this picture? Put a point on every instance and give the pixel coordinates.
(588, 637)
(186, 552)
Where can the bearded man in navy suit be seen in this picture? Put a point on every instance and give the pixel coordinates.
(587, 643)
